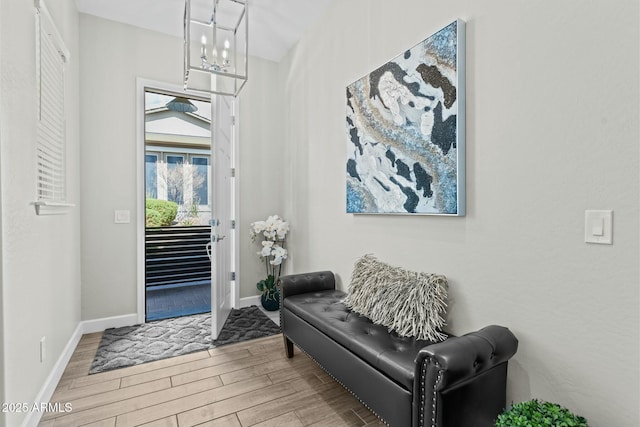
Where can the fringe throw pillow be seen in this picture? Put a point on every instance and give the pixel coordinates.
(411, 304)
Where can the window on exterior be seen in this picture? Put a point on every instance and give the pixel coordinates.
(183, 178)
(200, 180)
(151, 175)
(51, 55)
(175, 179)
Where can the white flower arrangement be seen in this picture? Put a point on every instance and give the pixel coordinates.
(273, 233)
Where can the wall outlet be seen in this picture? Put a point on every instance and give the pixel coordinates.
(43, 349)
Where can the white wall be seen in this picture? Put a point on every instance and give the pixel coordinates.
(40, 269)
(2, 366)
(552, 130)
(113, 56)
(260, 167)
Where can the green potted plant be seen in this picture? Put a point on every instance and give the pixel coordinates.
(537, 413)
(273, 233)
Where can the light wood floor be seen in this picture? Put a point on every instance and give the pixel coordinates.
(238, 385)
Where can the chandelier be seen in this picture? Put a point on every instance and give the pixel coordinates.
(216, 46)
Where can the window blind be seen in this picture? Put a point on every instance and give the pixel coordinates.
(50, 144)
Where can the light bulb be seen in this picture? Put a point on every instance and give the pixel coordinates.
(227, 44)
(203, 49)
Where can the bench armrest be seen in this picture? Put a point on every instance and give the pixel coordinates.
(295, 284)
(468, 355)
(458, 362)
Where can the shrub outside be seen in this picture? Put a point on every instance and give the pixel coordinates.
(160, 213)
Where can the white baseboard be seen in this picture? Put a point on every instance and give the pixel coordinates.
(99, 325)
(249, 301)
(84, 327)
(33, 417)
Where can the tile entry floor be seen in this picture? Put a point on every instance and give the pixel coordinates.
(251, 383)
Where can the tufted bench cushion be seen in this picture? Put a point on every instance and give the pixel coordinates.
(387, 352)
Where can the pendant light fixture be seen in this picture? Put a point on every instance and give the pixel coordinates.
(216, 46)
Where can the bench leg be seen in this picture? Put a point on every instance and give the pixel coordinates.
(288, 346)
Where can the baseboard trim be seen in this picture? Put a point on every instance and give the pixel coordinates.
(249, 301)
(99, 325)
(84, 327)
(46, 392)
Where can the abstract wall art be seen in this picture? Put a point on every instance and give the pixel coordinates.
(405, 131)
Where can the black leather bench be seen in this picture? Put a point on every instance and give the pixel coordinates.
(459, 382)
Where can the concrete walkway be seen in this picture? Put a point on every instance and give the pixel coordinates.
(164, 302)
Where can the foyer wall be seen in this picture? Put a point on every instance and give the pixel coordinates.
(113, 56)
(40, 271)
(552, 130)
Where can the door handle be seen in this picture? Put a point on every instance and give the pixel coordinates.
(215, 239)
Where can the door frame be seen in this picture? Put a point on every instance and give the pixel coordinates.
(141, 85)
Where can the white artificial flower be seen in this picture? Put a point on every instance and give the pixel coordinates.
(276, 261)
(266, 248)
(272, 221)
(282, 230)
(258, 226)
(279, 252)
(269, 234)
(269, 223)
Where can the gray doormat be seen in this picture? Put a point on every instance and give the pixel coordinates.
(133, 345)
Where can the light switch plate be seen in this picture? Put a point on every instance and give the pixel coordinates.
(122, 217)
(598, 227)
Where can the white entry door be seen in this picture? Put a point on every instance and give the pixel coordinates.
(222, 131)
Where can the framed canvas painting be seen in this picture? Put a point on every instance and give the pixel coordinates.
(405, 131)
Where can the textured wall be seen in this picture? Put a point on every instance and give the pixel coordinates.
(552, 130)
(40, 268)
(2, 355)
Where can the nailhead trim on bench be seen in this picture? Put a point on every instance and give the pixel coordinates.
(434, 393)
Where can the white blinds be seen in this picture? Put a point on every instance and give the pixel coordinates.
(50, 146)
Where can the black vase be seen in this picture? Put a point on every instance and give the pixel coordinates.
(272, 303)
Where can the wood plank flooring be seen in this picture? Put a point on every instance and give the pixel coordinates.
(239, 385)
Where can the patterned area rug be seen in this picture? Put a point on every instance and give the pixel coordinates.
(133, 345)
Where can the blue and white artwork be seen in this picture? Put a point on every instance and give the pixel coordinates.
(405, 128)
